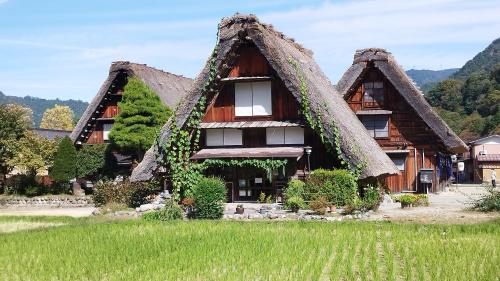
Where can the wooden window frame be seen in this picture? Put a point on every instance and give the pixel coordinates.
(374, 135)
(374, 103)
(254, 117)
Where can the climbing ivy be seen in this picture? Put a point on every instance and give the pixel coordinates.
(182, 141)
(267, 165)
(315, 122)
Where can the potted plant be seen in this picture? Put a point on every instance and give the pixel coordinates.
(239, 209)
(188, 204)
(333, 208)
(406, 200)
(295, 203)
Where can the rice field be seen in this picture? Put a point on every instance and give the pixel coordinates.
(90, 249)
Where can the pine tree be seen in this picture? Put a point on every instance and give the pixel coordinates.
(64, 168)
(140, 119)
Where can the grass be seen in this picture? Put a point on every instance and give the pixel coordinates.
(97, 249)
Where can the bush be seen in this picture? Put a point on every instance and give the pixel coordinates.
(171, 211)
(209, 196)
(354, 205)
(294, 188)
(421, 200)
(337, 186)
(34, 191)
(295, 202)
(319, 205)
(64, 168)
(95, 161)
(489, 202)
(128, 193)
(371, 197)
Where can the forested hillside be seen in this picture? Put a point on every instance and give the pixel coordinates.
(485, 60)
(39, 105)
(469, 101)
(426, 79)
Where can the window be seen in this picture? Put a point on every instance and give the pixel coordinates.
(399, 161)
(252, 99)
(374, 92)
(288, 135)
(222, 137)
(376, 125)
(105, 131)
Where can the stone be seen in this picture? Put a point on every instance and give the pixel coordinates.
(77, 189)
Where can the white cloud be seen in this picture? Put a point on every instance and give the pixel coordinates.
(333, 30)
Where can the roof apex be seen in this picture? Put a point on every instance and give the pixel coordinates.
(372, 54)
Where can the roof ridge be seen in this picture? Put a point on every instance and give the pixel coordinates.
(116, 66)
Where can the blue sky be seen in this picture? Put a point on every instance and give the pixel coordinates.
(63, 49)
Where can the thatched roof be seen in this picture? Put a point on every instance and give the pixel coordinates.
(169, 87)
(385, 62)
(239, 30)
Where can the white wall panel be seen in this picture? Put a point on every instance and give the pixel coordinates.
(243, 99)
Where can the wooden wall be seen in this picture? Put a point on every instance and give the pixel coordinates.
(109, 110)
(406, 131)
(250, 64)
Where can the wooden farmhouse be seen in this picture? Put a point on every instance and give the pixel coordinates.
(260, 89)
(96, 122)
(396, 115)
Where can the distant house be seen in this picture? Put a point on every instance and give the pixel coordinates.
(50, 133)
(485, 156)
(97, 120)
(396, 115)
(255, 110)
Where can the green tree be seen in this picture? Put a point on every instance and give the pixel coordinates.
(64, 168)
(60, 117)
(446, 94)
(453, 119)
(472, 127)
(32, 154)
(140, 119)
(474, 89)
(15, 121)
(95, 161)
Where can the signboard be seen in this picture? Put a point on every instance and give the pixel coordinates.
(426, 176)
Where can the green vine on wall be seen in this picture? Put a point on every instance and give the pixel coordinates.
(315, 122)
(184, 174)
(268, 165)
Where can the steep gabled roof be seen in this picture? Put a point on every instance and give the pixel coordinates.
(279, 51)
(169, 87)
(385, 62)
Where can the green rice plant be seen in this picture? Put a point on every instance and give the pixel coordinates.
(107, 249)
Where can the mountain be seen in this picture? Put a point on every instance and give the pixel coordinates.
(424, 76)
(469, 100)
(39, 105)
(485, 60)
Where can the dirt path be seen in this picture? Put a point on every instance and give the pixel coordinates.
(446, 207)
(72, 212)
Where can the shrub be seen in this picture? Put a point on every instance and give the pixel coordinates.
(337, 186)
(319, 205)
(171, 211)
(421, 200)
(294, 188)
(489, 202)
(95, 161)
(371, 197)
(128, 193)
(209, 196)
(34, 190)
(354, 205)
(295, 202)
(64, 168)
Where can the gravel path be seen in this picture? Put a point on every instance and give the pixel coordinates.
(445, 207)
(72, 212)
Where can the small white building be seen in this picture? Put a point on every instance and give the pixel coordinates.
(485, 154)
